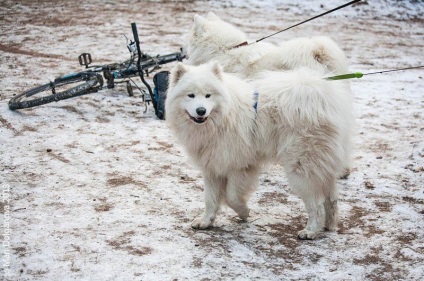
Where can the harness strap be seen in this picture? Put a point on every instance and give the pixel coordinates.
(255, 99)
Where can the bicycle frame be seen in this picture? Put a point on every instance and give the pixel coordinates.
(145, 64)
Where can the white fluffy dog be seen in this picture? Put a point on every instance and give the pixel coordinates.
(213, 39)
(300, 121)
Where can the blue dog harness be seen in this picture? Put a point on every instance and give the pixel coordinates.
(255, 100)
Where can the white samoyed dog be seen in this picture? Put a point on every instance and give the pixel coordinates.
(211, 38)
(299, 120)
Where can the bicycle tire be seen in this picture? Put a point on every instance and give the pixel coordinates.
(92, 82)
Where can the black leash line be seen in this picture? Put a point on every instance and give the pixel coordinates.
(320, 15)
(359, 74)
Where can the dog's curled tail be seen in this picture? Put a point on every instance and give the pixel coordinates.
(304, 98)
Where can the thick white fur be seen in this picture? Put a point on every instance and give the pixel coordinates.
(302, 122)
(212, 39)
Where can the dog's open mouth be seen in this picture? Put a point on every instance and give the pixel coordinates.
(199, 120)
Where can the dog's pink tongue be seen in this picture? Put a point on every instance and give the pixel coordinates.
(200, 119)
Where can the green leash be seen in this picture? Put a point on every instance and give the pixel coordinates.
(359, 74)
(346, 76)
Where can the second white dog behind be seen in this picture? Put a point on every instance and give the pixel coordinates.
(214, 39)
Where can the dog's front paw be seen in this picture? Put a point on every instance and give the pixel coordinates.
(306, 234)
(201, 223)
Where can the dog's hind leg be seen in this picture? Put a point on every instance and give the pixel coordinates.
(314, 191)
(331, 213)
(315, 224)
(214, 189)
(310, 190)
(320, 198)
(347, 149)
(240, 186)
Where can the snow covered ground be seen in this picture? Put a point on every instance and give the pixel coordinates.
(100, 191)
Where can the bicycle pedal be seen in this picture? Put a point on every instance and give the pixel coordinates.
(85, 59)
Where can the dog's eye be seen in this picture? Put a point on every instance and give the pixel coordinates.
(208, 96)
(191, 96)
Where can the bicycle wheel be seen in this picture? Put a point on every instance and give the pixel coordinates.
(68, 86)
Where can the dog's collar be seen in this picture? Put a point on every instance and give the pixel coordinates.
(255, 101)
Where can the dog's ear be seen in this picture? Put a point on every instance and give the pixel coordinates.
(199, 19)
(212, 16)
(176, 73)
(216, 69)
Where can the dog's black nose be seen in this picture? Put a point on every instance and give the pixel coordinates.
(201, 111)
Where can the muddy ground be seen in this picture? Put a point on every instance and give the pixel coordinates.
(101, 191)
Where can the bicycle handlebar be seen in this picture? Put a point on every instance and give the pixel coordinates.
(140, 70)
(135, 33)
(154, 61)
